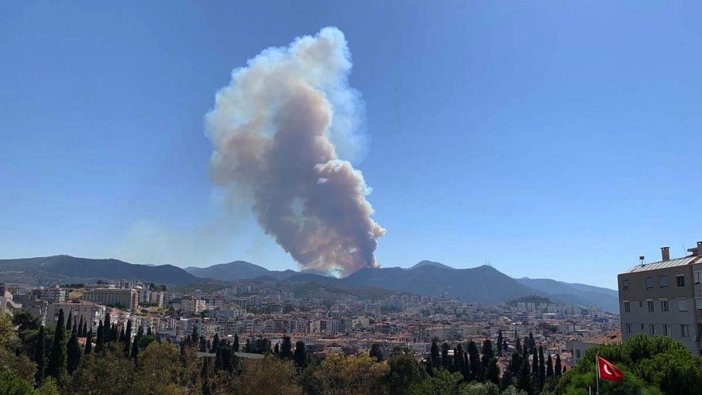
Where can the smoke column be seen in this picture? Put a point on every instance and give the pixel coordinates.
(277, 130)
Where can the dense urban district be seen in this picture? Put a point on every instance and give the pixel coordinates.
(268, 336)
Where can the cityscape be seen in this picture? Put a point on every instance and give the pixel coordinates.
(456, 198)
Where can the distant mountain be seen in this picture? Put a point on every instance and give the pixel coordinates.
(483, 284)
(430, 263)
(574, 293)
(65, 268)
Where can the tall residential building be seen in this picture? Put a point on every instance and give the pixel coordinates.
(116, 297)
(53, 294)
(664, 299)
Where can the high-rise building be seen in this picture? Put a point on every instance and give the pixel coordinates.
(664, 298)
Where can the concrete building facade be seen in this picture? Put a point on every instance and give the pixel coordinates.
(116, 297)
(664, 298)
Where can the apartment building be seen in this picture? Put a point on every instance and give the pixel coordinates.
(89, 312)
(664, 298)
(118, 297)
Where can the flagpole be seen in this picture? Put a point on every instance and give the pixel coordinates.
(597, 369)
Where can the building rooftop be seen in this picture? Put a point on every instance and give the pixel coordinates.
(688, 260)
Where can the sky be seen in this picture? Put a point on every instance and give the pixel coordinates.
(548, 139)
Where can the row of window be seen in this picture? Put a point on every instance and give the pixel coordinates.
(666, 329)
(682, 305)
(662, 282)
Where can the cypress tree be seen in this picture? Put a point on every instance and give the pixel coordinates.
(128, 339)
(286, 348)
(516, 363)
(148, 331)
(89, 342)
(542, 368)
(474, 362)
(235, 346)
(135, 349)
(300, 355)
(499, 342)
(39, 356)
(493, 372)
(100, 341)
(525, 347)
(106, 327)
(518, 346)
(85, 329)
(445, 360)
(205, 374)
(276, 350)
(532, 343)
(435, 358)
(80, 327)
(57, 357)
(557, 368)
(488, 354)
(195, 337)
(549, 366)
(523, 381)
(535, 369)
(69, 323)
(114, 333)
(73, 351)
(121, 334)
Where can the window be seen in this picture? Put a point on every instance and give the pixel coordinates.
(680, 280)
(664, 305)
(666, 330)
(652, 329)
(650, 306)
(649, 282)
(628, 328)
(684, 330)
(627, 307)
(625, 285)
(682, 305)
(662, 281)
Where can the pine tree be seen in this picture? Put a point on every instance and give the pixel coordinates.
(235, 346)
(73, 352)
(557, 368)
(39, 356)
(89, 342)
(300, 355)
(499, 342)
(57, 357)
(549, 366)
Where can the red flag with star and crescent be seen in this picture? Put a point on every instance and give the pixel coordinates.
(608, 371)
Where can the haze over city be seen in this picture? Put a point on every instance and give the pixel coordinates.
(551, 140)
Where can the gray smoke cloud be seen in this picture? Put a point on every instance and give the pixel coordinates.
(278, 130)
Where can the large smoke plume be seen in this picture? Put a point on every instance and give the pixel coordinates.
(277, 131)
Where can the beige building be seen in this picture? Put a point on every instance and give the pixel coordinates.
(115, 297)
(664, 298)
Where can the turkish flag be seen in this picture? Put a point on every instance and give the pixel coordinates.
(608, 371)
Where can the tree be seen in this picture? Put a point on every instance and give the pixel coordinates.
(488, 355)
(476, 372)
(235, 346)
(106, 329)
(270, 376)
(69, 322)
(549, 366)
(39, 355)
(542, 368)
(493, 372)
(286, 348)
(518, 345)
(532, 343)
(300, 356)
(11, 384)
(499, 342)
(405, 372)
(89, 342)
(557, 368)
(128, 338)
(73, 352)
(445, 360)
(354, 374)
(134, 354)
(434, 355)
(80, 327)
(195, 337)
(524, 379)
(376, 353)
(57, 357)
(100, 341)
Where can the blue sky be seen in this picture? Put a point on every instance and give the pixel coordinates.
(551, 139)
